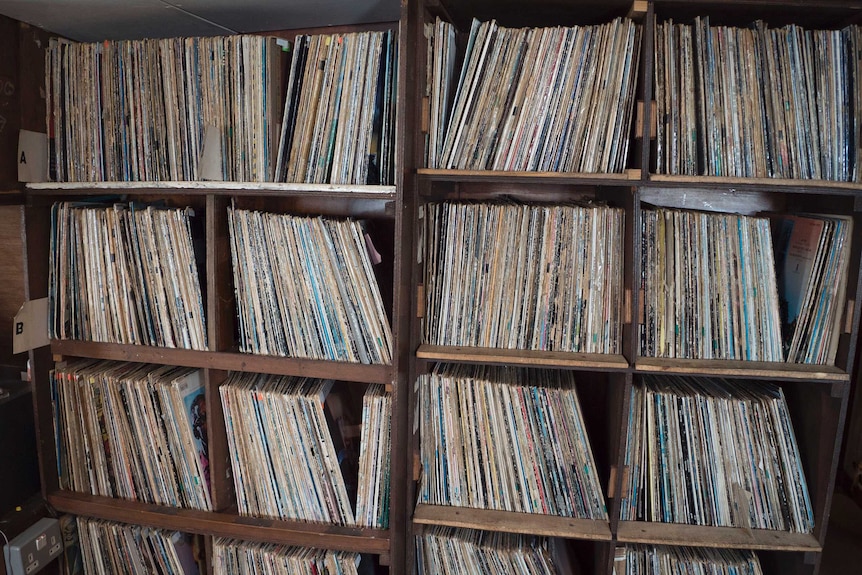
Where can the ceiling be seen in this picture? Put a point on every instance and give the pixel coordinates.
(94, 20)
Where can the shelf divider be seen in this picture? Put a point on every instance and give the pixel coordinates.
(277, 189)
(512, 522)
(739, 368)
(521, 357)
(224, 524)
(228, 361)
(717, 537)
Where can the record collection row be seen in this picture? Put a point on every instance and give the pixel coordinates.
(515, 276)
(651, 559)
(305, 287)
(709, 287)
(132, 431)
(110, 547)
(714, 452)
(234, 557)
(758, 101)
(716, 286)
(557, 99)
(750, 102)
(128, 274)
(505, 438)
(449, 551)
(100, 546)
(294, 456)
(140, 110)
(297, 449)
(725, 286)
(212, 108)
(124, 273)
(339, 111)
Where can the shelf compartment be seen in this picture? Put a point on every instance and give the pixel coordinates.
(718, 537)
(346, 191)
(359, 540)
(740, 368)
(512, 522)
(581, 179)
(228, 361)
(521, 357)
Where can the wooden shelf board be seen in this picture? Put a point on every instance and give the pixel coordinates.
(776, 184)
(217, 188)
(737, 368)
(512, 522)
(720, 537)
(229, 361)
(561, 359)
(361, 540)
(438, 175)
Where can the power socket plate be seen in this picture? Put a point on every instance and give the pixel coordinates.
(32, 550)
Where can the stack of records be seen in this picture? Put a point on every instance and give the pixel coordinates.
(650, 559)
(132, 431)
(142, 109)
(758, 101)
(714, 452)
(512, 276)
(450, 550)
(372, 499)
(709, 287)
(108, 547)
(440, 67)
(507, 439)
(124, 274)
(235, 557)
(339, 112)
(541, 99)
(288, 454)
(305, 288)
(812, 254)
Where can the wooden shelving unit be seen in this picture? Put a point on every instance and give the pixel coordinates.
(383, 207)
(817, 394)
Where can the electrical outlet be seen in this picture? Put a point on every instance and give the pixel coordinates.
(33, 549)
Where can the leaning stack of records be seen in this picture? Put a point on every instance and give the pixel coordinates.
(709, 287)
(541, 99)
(651, 559)
(450, 550)
(714, 452)
(305, 288)
(151, 109)
(758, 101)
(812, 254)
(108, 547)
(235, 557)
(854, 66)
(283, 453)
(132, 431)
(124, 274)
(339, 112)
(512, 276)
(440, 67)
(508, 439)
(372, 499)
